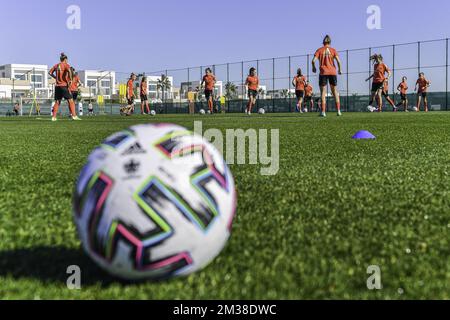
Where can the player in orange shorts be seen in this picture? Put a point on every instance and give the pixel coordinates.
(328, 73)
(379, 80)
(62, 73)
(130, 93)
(309, 101)
(144, 96)
(403, 88)
(299, 83)
(422, 85)
(252, 83)
(209, 80)
(75, 85)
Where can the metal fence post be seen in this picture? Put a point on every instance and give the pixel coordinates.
(228, 83)
(242, 85)
(348, 90)
(289, 75)
(188, 81)
(418, 56)
(257, 70)
(307, 66)
(393, 71)
(289, 84)
(370, 71)
(446, 74)
(165, 101)
(273, 84)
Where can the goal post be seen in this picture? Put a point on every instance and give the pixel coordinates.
(35, 106)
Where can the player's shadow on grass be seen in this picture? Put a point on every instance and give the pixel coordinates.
(49, 264)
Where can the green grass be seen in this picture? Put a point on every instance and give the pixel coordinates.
(335, 207)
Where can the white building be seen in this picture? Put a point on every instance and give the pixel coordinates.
(98, 83)
(155, 94)
(12, 88)
(35, 74)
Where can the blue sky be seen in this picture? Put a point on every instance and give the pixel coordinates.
(143, 35)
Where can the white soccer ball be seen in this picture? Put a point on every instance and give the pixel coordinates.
(202, 111)
(370, 109)
(305, 110)
(415, 109)
(153, 202)
(153, 113)
(261, 111)
(209, 111)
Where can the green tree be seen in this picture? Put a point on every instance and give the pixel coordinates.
(230, 91)
(163, 84)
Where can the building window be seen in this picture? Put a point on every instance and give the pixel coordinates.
(106, 84)
(36, 78)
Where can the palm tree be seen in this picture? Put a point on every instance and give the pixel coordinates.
(230, 90)
(163, 84)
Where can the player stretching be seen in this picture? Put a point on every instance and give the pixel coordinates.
(130, 94)
(76, 83)
(309, 101)
(209, 80)
(379, 80)
(422, 85)
(403, 88)
(62, 74)
(144, 96)
(299, 83)
(326, 56)
(252, 83)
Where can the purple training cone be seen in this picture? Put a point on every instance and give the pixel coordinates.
(363, 134)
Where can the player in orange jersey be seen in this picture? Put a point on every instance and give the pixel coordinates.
(209, 80)
(328, 73)
(144, 96)
(130, 93)
(403, 88)
(252, 83)
(309, 101)
(379, 80)
(62, 73)
(75, 85)
(422, 86)
(299, 83)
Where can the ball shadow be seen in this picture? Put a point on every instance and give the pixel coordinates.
(49, 264)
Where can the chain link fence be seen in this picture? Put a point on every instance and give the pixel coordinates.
(276, 92)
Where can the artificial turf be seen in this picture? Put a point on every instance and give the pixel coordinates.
(335, 207)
